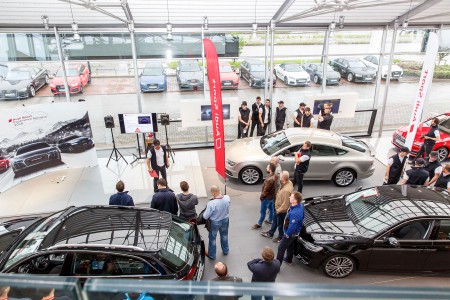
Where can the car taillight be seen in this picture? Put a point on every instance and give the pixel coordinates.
(190, 275)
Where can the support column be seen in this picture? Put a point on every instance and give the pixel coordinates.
(136, 70)
(63, 67)
(203, 64)
(272, 50)
(325, 60)
(388, 79)
(380, 68)
(266, 63)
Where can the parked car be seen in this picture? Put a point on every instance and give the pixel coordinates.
(107, 241)
(23, 82)
(373, 61)
(292, 74)
(334, 157)
(189, 75)
(3, 71)
(153, 78)
(4, 164)
(315, 71)
(353, 69)
(385, 228)
(253, 70)
(78, 76)
(442, 147)
(75, 143)
(228, 77)
(34, 156)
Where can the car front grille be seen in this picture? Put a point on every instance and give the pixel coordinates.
(396, 74)
(399, 140)
(193, 81)
(60, 88)
(301, 80)
(227, 82)
(37, 159)
(9, 93)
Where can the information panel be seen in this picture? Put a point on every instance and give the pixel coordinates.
(137, 123)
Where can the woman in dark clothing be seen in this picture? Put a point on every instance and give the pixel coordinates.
(187, 202)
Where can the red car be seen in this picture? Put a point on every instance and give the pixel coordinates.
(78, 76)
(443, 146)
(4, 164)
(228, 78)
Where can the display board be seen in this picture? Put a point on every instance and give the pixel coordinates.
(197, 112)
(137, 123)
(37, 139)
(344, 104)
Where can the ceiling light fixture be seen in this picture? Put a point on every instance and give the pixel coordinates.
(341, 22)
(205, 23)
(168, 25)
(405, 21)
(45, 22)
(76, 34)
(255, 25)
(332, 25)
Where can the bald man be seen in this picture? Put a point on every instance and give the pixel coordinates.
(222, 273)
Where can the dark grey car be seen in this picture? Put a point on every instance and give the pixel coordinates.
(189, 75)
(253, 70)
(353, 69)
(34, 156)
(316, 72)
(23, 82)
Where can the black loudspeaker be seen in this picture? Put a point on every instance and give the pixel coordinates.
(109, 122)
(165, 120)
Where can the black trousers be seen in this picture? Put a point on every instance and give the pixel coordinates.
(265, 130)
(298, 177)
(279, 218)
(279, 126)
(241, 128)
(425, 148)
(161, 171)
(286, 246)
(255, 123)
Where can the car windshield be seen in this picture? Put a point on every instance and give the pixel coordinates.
(189, 68)
(257, 68)
(33, 240)
(153, 71)
(225, 69)
(274, 142)
(177, 248)
(18, 75)
(353, 144)
(320, 67)
(32, 147)
(444, 123)
(293, 68)
(356, 64)
(69, 73)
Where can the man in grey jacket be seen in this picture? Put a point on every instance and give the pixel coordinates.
(187, 202)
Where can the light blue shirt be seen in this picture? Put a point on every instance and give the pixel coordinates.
(218, 209)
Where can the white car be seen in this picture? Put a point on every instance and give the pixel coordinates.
(292, 74)
(372, 61)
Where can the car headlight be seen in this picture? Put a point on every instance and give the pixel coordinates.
(52, 85)
(358, 75)
(231, 163)
(310, 246)
(23, 90)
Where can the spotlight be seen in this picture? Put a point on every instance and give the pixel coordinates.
(169, 32)
(76, 37)
(45, 21)
(332, 25)
(341, 22)
(205, 23)
(254, 29)
(74, 27)
(405, 24)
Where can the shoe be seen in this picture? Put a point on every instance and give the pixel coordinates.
(256, 226)
(287, 262)
(267, 222)
(266, 234)
(276, 240)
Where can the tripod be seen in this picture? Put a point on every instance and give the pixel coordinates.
(169, 149)
(115, 151)
(139, 149)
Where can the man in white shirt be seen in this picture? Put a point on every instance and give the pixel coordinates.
(266, 116)
(158, 160)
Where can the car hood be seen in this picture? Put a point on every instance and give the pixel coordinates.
(35, 152)
(330, 74)
(76, 140)
(421, 129)
(302, 74)
(258, 75)
(153, 79)
(192, 75)
(247, 149)
(70, 80)
(326, 220)
(14, 84)
(364, 71)
(228, 76)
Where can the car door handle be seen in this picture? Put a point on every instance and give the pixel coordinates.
(332, 162)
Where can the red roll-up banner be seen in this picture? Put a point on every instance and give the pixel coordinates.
(215, 93)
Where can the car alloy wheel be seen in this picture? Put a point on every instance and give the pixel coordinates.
(89, 79)
(47, 80)
(81, 88)
(343, 177)
(31, 91)
(350, 77)
(250, 175)
(339, 266)
(316, 79)
(442, 153)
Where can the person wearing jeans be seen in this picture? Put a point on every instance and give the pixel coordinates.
(217, 210)
(267, 196)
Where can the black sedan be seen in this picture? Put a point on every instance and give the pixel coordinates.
(33, 157)
(23, 82)
(385, 228)
(75, 143)
(316, 72)
(108, 242)
(353, 69)
(253, 70)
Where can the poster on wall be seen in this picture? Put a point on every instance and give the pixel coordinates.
(343, 105)
(38, 139)
(197, 112)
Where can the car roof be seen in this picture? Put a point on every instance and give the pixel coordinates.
(254, 61)
(153, 65)
(314, 135)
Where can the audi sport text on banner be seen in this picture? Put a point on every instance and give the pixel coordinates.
(216, 105)
(425, 82)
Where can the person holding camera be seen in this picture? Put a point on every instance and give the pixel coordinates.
(429, 140)
(244, 120)
(158, 160)
(325, 117)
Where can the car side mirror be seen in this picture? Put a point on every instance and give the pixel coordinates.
(392, 241)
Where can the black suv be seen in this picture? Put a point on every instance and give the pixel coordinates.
(252, 70)
(104, 241)
(353, 69)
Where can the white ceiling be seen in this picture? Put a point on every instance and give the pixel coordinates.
(221, 13)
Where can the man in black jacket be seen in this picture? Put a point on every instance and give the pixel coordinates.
(433, 166)
(164, 199)
(257, 108)
(416, 175)
(244, 120)
(443, 181)
(158, 160)
(302, 159)
(280, 116)
(429, 139)
(265, 269)
(121, 198)
(395, 165)
(326, 119)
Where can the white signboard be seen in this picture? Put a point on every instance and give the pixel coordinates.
(197, 112)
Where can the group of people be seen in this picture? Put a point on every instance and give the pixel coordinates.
(260, 117)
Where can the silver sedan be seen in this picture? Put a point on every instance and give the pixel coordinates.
(334, 157)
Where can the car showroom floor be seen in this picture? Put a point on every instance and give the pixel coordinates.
(94, 185)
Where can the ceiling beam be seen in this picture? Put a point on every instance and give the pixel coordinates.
(91, 5)
(282, 10)
(418, 9)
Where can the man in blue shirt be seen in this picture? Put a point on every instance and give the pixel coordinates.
(217, 210)
(121, 198)
(292, 226)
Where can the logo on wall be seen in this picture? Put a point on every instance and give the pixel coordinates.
(26, 119)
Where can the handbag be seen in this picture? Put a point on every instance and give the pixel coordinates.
(201, 220)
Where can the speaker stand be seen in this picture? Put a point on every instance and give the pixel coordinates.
(115, 151)
(169, 149)
(136, 157)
